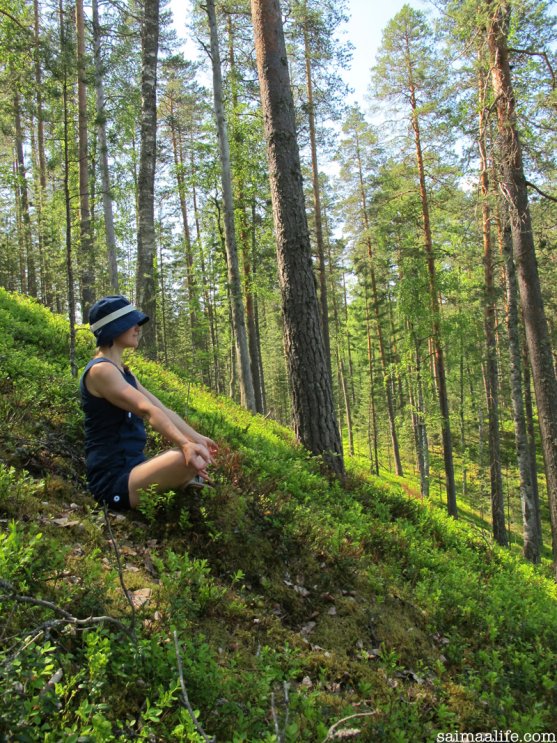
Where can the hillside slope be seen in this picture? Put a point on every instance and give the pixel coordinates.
(277, 603)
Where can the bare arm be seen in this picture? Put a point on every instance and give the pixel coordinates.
(179, 422)
(104, 380)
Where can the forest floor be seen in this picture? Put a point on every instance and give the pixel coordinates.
(277, 606)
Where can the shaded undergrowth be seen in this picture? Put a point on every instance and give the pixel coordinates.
(279, 601)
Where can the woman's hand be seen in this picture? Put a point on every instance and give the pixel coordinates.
(208, 444)
(197, 456)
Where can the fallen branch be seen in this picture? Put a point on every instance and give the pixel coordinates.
(346, 719)
(185, 698)
(120, 569)
(66, 619)
(281, 734)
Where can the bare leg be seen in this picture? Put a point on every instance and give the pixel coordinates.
(165, 471)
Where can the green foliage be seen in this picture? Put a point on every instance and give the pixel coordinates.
(294, 598)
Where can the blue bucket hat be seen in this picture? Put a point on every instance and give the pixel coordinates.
(112, 316)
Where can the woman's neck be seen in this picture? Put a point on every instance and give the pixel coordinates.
(113, 353)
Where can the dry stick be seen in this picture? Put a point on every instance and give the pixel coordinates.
(120, 570)
(185, 697)
(275, 718)
(281, 735)
(67, 619)
(346, 719)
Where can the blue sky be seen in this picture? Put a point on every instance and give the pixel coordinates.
(364, 30)
(368, 19)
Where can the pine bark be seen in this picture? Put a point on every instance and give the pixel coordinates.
(312, 399)
(514, 190)
(146, 239)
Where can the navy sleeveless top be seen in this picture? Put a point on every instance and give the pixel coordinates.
(114, 438)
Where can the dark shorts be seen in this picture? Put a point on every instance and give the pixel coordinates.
(112, 487)
(117, 497)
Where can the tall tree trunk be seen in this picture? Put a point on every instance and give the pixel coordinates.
(207, 298)
(347, 406)
(163, 346)
(26, 237)
(515, 192)
(247, 394)
(253, 321)
(247, 239)
(191, 287)
(530, 428)
(341, 372)
(146, 238)
(110, 234)
(67, 202)
(312, 398)
(21, 251)
(46, 294)
(422, 444)
(439, 361)
(375, 299)
(317, 198)
(253, 337)
(87, 259)
(497, 496)
(528, 497)
(374, 445)
(462, 423)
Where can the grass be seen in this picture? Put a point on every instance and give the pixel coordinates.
(296, 601)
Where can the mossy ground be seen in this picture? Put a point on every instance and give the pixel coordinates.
(296, 601)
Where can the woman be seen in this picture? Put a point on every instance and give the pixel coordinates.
(116, 405)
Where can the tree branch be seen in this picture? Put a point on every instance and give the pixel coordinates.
(120, 569)
(542, 193)
(66, 619)
(543, 55)
(17, 23)
(346, 719)
(185, 698)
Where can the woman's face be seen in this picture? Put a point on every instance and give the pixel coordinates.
(129, 339)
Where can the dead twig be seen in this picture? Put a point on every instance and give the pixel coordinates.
(332, 729)
(281, 734)
(66, 619)
(120, 569)
(185, 698)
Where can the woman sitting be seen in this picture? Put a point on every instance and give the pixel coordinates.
(116, 405)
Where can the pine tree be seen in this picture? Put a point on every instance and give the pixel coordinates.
(314, 417)
(404, 70)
